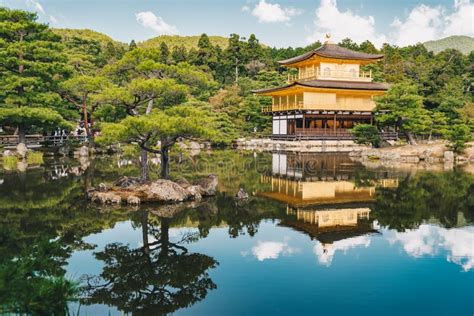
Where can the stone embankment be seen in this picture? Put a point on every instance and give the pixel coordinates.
(427, 154)
(133, 192)
(266, 144)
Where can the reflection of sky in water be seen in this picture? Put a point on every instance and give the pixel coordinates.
(429, 240)
(275, 271)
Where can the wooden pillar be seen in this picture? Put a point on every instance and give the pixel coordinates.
(304, 122)
(335, 131)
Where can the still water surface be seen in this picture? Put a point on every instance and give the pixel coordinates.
(320, 235)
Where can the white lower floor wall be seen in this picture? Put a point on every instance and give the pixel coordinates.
(280, 127)
(280, 123)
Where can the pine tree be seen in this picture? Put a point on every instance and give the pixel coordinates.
(31, 67)
(164, 53)
(179, 54)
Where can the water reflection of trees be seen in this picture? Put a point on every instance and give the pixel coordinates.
(158, 277)
(42, 223)
(424, 197)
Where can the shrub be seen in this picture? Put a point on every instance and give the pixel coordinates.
(366, 134)
(458, 135)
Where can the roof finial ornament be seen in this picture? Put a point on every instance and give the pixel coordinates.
(328, 39)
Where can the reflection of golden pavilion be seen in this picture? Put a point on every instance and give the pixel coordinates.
(301, 193)
(323, 198)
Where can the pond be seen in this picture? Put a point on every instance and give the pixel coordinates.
(320, 234)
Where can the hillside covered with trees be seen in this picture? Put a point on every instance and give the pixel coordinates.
(54, 78)
(464, 44)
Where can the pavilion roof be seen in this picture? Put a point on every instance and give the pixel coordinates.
(331, 84)
(330, 50)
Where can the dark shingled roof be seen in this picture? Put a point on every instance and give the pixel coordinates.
(332, 51)
(332, 84)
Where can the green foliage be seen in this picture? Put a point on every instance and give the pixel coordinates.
(31, 67)
(44, 118)
(34, 158)
(403, 107)
(366, 134)
(178, 121)
(109, 113)
(187, 41)
(458, 135)
(88, 51)
(10, 162)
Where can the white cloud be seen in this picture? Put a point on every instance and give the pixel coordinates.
(36, 6)
(271, 250)
(273, 12)
(425, 23)
(150, 20)
(429, 240)
(461, 22)
(325, 252)
(343, 24)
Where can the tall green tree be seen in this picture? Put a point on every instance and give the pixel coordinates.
(402, 107)
(31, 67)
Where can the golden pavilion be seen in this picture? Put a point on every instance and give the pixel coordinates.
(328, 96)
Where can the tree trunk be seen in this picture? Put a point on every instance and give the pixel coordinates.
(411, 138)
(144, 165)
(165, 164)
(85, 120)
(22, 134)
(144, 176)
(164, 236)
(144, 222)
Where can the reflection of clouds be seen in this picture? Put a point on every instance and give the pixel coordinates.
(272, 250)
(325, 252)
(430, 240)
(418, 242)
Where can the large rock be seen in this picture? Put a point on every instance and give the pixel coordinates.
(106, 198)
(21, 150)
(208, 185)
(194, 192)
(165, 191)
(8, 153)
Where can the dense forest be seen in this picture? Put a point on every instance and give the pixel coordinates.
(54, 79)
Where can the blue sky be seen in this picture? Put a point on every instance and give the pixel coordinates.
(275, 22)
